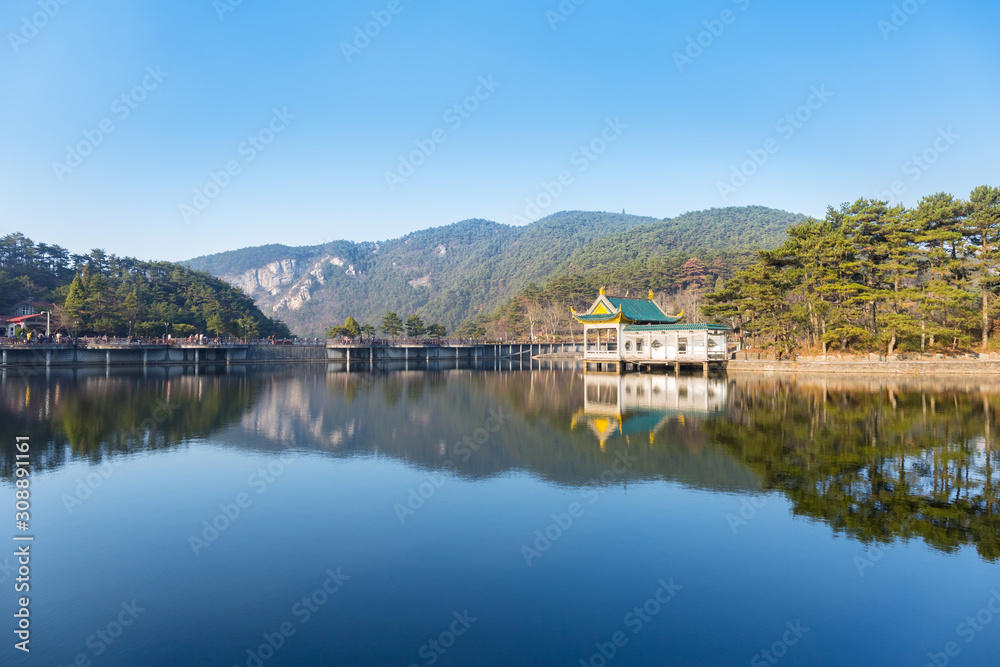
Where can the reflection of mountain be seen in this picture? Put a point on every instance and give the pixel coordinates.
(96, 413)
(434, 419)
(875, 459)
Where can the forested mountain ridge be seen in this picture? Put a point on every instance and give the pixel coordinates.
(468, 270)
(100, 293)
(748, 228)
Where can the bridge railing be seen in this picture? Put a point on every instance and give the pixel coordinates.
(435, 342)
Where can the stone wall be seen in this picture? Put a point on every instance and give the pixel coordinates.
(929, 366)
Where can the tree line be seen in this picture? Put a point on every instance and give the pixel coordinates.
(391, 325)
(102, 294)
(679, 281)
(872, 276)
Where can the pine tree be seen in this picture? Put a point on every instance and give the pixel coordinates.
(351, 327)
(391, 324)
(216, 324)
(984, 225)
(940, 224)
(76, 301)
(415, 326)
(130, 308)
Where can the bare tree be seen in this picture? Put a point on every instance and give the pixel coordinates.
(554, 318)
(688, 300)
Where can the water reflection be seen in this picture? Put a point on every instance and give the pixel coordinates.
(877, 460)
(633, 405)
(93, 413)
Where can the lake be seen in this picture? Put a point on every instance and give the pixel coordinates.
(298, 515)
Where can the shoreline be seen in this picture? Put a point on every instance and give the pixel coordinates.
(866, 367)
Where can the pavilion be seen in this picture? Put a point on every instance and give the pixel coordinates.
(622, 333)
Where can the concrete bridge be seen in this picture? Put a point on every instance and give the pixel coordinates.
(178, 353)
(472, 352)
(46, 355)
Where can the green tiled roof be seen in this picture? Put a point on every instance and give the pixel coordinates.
(676, 327)
(641, 310)
(596, 318)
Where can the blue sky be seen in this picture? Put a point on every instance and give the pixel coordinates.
(265, 122)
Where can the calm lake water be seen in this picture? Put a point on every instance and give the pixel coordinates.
(303, 516)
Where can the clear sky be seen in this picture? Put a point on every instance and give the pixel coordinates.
(330, 133)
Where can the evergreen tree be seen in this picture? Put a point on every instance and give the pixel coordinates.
(940, 224)
(75, 303)
(415, 326)
(351, 327)
(131, 308)
(391, 324)
(215, 324)
(984, 227)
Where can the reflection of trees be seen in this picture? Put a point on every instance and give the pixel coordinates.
(875, 460)
(96, 416)
(122, 416)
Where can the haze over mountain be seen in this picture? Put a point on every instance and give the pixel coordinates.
(453, 273)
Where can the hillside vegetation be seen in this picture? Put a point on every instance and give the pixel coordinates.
(871, 277)
(467, 273)
(100, 293)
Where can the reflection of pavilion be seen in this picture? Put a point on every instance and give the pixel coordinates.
(639, 404)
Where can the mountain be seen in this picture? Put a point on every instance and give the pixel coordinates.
(454, 273)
